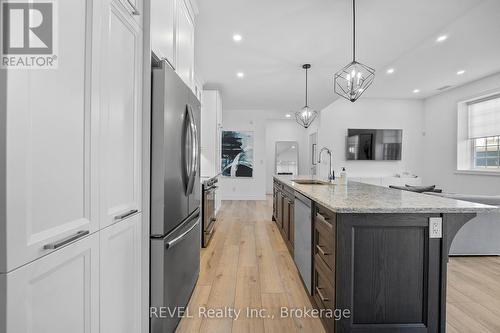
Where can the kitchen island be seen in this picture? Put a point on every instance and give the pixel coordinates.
(377, 254)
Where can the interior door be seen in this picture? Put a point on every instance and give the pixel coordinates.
(313, 153)
(49, 155)
(121, 117)
(58, 293)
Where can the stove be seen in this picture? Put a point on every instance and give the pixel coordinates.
(208, 218)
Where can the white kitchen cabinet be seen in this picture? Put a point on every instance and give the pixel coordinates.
(121, 97)
(211, 136)
(48, 181)
(134, 8)
(197, 87)
(120, 276)
(163, 29)
(172, 36)
(184, 41)
(211, 119)
(58, 293)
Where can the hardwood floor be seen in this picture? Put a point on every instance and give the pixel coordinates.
(247, 266)
(473, 295)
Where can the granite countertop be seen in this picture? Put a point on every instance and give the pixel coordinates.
(355, 197)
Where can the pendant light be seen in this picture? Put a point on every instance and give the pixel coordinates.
(353, 80)
(306, 115)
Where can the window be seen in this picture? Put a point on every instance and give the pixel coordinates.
(487, 152)
(478, 140)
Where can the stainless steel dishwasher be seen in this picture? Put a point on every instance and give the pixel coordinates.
(303, 239)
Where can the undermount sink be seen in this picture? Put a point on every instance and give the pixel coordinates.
(310, 182)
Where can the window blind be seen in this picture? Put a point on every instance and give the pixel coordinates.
(484, 118)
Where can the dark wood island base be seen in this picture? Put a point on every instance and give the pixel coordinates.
(387, 269)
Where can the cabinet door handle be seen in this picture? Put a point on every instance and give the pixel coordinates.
(125, 215)
(67, 240)
(211, 229)
(326, 218)
(320, 250)
(135, 11)
(323, 298)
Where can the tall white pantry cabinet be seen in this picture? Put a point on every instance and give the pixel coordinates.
(70, 178)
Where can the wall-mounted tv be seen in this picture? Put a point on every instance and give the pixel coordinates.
(374, 144)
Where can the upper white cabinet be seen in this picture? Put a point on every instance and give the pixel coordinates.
(163, 29)
(184, 44)
(172, 35)
(48, 181)
(120, 277)
(58, 293)
(121, 101)
(211, 124)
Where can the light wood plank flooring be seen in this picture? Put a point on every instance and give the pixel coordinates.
(247, 265)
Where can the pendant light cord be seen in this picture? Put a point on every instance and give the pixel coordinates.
(353, 30)
(306, 86)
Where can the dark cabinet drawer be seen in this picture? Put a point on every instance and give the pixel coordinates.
(291, 224)
(324, 240)
(279, 213)
(323, 292)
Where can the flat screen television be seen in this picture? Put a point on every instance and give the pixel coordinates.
(374, 144)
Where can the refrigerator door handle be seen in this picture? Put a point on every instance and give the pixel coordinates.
(177, 239)
(186, 161)
(194, 150)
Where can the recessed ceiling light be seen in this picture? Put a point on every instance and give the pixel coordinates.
(237, 37)
(288, 115)
(416, 91)
(390, 71)
(460, 72)
(240, 75)
(441, 38)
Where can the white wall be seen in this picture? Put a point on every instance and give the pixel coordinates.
(372, 113)
(440, 141)
(246, 188)
(268, 127)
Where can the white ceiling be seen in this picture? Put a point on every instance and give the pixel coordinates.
(280, 35)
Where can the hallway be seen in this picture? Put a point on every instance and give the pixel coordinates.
(247, 266)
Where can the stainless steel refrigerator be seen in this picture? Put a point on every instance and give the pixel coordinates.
(175, 197)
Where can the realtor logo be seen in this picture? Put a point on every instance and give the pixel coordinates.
(28, 32)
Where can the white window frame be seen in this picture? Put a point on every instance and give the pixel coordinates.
(465, 146)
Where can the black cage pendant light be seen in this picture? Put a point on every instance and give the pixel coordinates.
(353, 80)
(306, 115)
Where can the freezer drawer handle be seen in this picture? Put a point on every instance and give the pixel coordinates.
(180, 237)
(67, 240)
(135, 11)
(125, 215)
